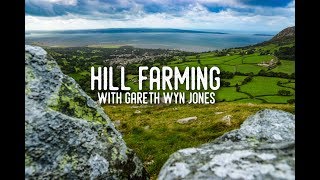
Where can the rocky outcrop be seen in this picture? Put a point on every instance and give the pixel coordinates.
(67, 135)
(263, 148)
(285, 34)
(186, 120)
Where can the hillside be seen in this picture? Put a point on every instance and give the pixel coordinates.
(287, 33)
(286, 36)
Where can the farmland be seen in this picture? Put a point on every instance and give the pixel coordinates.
(252, 78)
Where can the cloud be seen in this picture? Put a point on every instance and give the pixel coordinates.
(190, 14)
(61, 2)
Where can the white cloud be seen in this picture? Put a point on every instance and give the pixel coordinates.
(193, 17)
(60, 2)
(231, 3)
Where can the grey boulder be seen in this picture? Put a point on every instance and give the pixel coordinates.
(67, 134)
(263, 148)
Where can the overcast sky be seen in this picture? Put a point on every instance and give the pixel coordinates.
(247, 15)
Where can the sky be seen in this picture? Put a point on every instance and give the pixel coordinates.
(238, 15)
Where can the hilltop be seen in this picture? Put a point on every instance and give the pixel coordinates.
(287, 33)
(286, 36)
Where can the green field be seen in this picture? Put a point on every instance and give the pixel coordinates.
(247, 68)
(277, 99)
(153, 132)
(254, 59)
(252, 91)
(229, 94)
(290, 85)
(286, 67)
(260, 86)
(236, 80)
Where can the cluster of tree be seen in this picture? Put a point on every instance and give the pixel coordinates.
(291, 101)
(198, 59)
(276, 74)
(226, 75)
(244, 74)
(246, 80)
(250, 51)
(283, 92)
(265, 52)
(163, 60)
(184, 53)
(224, 83)
(184, 59)
(246, 52)
(237, 87)
(132, 69)
(286, 53)
(220, 53)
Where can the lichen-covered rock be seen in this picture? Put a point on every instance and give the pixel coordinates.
(263, 148)
(67, 135)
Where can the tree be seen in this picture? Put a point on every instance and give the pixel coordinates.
(225, 83)
(283, 92)
(278, 62)
(237, 87)
(286, 53)
(250, 51)
(279, 83)
(184, 59)
(226, 75)
(291, 101)
(246, 80)
(198, 59)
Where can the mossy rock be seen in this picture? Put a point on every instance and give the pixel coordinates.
(67, 134)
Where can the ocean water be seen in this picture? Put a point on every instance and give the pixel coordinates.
(187, 41)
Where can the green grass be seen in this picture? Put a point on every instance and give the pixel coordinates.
(132, 82)
(271, 47)
(264, 86)
(206, 55)
(229, 94)
(182, 66)
(80, 75)
(255, 59)
(290, 85)
(277, 99)
(286, 67)
(252, 101)
(154, 134)
(227, 68)
(247, 68)
(235, 61)
(235, 80)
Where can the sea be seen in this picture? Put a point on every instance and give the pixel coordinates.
(186, 40)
